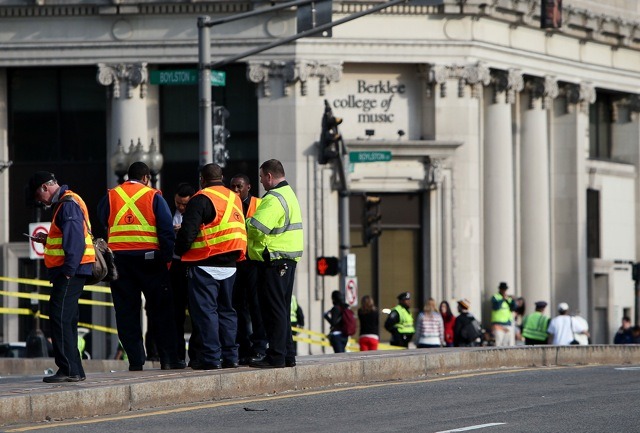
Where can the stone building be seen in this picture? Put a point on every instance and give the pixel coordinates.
(514, 149)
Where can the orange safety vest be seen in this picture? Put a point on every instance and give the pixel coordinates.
(132, 223)
(253, 205)
(225, 233)
(53, 252)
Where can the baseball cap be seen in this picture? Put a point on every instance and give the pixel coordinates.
(37, 179)
(563, 306)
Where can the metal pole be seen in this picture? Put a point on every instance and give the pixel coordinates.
(204, 83)
(306, 33)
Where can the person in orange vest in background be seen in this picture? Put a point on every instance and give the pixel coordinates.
(140, 234)
(211, 240)
(69, 256)
(251, 336)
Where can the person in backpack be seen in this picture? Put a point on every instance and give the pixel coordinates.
(400, 321)
(466, 332)
(337, 337)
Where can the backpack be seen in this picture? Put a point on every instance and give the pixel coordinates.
(471, 330)
(348, 323)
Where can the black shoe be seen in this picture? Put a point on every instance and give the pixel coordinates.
(135, 368)
(173, 366)
(230, 364)
(200, 366)
(290, 362)
(265, 364)
(61, 378)
(257, 357)
(245, 361)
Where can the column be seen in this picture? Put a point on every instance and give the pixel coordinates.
(457, 115)
(570, 150)
(498, 188)
(535, 199)
(127, 110)
(290, 107)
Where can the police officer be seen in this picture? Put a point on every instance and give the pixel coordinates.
(534, 326)
(141, 237)
(400, 321)
(501, 308)
(69, 257)
(276, 240)
(251, 337)
(210, 241)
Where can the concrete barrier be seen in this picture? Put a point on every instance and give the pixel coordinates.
(111, 389)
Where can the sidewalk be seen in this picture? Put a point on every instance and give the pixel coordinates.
(110, 388)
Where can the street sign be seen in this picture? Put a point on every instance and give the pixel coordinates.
(36, 249)
(351, 291)
(351, 265)
(183, 77)
(376, 156)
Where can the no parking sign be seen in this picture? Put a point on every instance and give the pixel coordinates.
(351, 291)
(36, 249)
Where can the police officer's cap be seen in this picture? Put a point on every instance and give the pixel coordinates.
(404, 296)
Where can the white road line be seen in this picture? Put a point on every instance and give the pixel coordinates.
(627, 368)
(473, 427)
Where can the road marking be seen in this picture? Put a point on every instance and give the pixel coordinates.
(214, 405)
(627, 368)
(473, 427)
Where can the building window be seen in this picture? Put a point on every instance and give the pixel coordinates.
(600, 119)
(593, 223)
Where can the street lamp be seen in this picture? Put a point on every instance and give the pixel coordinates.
(155, 162)
(121, 160)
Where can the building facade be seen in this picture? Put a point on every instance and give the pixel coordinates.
(514, 149)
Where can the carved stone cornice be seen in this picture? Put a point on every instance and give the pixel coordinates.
(473, 75)
(509, 82)
(580, 95)
(546, 89)
(133, 75)
(290, 73)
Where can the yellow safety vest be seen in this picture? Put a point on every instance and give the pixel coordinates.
(276, 227)
(405, 325)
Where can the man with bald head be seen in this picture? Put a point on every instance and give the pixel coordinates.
(210, 241)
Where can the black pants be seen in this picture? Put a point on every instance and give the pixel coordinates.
(63, 313)
(251, 337)
(531, 342)
(178, 274)
(212, 310)
(151, 278)
(275, 287)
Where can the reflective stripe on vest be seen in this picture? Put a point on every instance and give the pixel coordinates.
(226, 233)
(132, 222)
(535, 326)
(405, 325)
(294, 309)
(53, 252)
(284, 241)
(503, 315)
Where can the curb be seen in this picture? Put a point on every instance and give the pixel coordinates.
(111, 392)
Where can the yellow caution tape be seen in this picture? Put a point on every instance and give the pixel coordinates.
(45, 283)
(42, 297)
(22, 311)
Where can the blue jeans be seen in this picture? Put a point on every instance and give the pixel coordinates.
(338, 342)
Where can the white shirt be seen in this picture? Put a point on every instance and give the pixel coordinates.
(561, 329)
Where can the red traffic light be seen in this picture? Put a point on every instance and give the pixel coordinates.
(328, 266)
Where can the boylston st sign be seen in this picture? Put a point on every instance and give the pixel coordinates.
(375, 156)
(184, 77)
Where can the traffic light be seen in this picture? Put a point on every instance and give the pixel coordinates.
(330, 136)
(551, 14)
(371, 217)
(327, 266)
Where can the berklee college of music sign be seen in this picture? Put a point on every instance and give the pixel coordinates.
(373, 100)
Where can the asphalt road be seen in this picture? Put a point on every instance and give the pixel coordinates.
(564, 399)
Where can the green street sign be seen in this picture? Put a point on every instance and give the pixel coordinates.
(377, 156)
(184, 77)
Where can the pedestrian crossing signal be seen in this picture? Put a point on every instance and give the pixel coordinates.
(327, 266)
